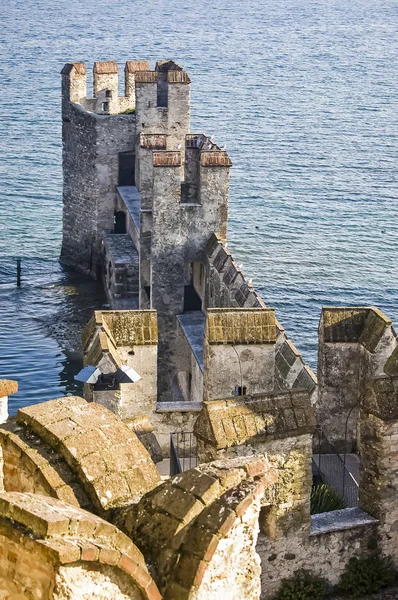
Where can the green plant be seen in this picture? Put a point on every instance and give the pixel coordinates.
(128, 111)
(368, 574)
(303, 585)
(325, 499)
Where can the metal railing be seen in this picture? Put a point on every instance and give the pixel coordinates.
(331, 468)
(183, 452)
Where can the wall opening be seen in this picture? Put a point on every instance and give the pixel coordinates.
(192, 300)
(120, 222)
(240, 390)
(126, 168)
(105, 107)
(162, 89)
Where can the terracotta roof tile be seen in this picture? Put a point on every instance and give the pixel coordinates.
(105, 68)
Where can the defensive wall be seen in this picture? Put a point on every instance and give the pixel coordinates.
(83, 508)
(236, 524)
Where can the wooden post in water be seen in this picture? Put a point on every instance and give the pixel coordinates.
(18, 272)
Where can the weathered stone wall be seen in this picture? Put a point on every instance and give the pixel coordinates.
(355, 345)
(30, 465)
(79, 583)
(91, 146)
(291, 372)
(180, 232)
(324, 553)
(96, 460)
(124, 338)
(378, 458)
(52, 551)
(170, 113)
(234, 571)
(120, 267)
(196, 523)
(280, 428)
(239, 352)
(226, 286)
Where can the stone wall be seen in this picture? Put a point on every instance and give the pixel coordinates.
(196, 523)
(76, 451)
(91, 147)
(120, 271)
(52, 551)
(325, 551)
(378, 458)
(180, 231)
(355, 345)
(239, 352)
(226, 286)
(124, 338)
(279, 427)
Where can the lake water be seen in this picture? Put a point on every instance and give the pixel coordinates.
(305, 96)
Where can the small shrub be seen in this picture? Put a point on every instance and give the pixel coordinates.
(367, 575)
(325, 499)
(303, 585)
(128, 111)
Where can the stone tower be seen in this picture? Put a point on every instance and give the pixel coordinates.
(142, 195)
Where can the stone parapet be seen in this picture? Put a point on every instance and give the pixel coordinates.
(52, 535)
(241, 326)
(166, 158)
(132, 66)
(215, 159)
(146, 77)
(356, 345)
(185, 527)
(31, 465)
(107, 457)
(254, 419)
(7, 387)
(105, 68)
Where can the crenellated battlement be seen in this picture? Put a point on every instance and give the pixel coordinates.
(152, 87)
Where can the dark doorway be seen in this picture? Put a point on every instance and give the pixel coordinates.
(120, 222)
(192, 300)
(126, 168)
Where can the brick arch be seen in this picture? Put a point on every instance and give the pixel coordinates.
(178, 526)
(78, 452)
(29, 465)
(52, 550)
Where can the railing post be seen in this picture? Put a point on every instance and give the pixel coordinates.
(319, 450)
(19, 272)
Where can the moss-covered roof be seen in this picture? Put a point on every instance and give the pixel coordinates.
(254, 419)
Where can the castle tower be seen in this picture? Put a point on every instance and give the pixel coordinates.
(100, 136)
(142, 195)
(185, 213)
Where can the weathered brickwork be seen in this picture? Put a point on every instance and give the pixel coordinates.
(189, 525)
(112, 465)
(31, 465)
(50, 550)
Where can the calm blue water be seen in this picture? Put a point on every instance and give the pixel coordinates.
(304, 94)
